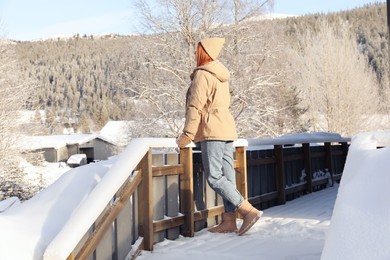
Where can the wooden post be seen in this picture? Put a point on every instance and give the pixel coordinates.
(186, 191)
(307, 162)
(145, 205)
(241, 174)
(328, 159)
(345, 148)
(280, 181)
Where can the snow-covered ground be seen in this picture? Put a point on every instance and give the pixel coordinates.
(351, 221)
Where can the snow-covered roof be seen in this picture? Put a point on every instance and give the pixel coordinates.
(57, 141)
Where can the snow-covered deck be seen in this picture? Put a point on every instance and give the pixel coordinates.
(296, 230)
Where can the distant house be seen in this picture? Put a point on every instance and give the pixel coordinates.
(58, 148)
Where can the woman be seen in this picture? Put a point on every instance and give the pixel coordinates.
(209, 121)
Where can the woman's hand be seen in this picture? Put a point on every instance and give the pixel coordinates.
(183, 140)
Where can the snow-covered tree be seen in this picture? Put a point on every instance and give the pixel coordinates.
(14, 96)
(336, 83)
(261, 103)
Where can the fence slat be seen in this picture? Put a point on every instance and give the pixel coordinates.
(159, 193)
(187, 198)
(172, 209)
(145, 205)
(307, 162)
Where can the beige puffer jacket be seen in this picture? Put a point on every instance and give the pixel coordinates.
(207, 105)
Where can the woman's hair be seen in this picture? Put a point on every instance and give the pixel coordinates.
(202, 57)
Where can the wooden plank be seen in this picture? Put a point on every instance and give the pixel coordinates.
(167, 170)
(164, 224)
(104, 248)
(280, 181)
(264, 198)
(317, 154)
(187, 199)
(108, 218)
(260, 161)
(338, 152)
(145, 204)
(199, 189)
(296, 188)
(172, 196)
(293, 157)
(308, 171)
(211, 200)
(159, 200)
(318, 182)
(328, 159)
(337, 177)
(241, 174)
(177, 221)
(137, 248)
(124, 229)
(208, 213)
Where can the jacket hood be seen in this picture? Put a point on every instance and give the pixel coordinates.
(217, 69)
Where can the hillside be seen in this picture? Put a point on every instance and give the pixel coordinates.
(85, 81)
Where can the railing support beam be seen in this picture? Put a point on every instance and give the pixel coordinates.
(307, 162)
(281, 182)
(241, 174)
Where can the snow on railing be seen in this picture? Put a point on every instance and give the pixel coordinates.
(299, 138)
(72, 232)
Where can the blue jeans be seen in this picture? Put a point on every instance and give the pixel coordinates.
(218, 164)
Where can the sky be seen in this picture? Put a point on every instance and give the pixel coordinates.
(346, 221)
(40, 19)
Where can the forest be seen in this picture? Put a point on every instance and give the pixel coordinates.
(280, 68)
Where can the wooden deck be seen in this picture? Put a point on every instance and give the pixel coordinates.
(296, 230)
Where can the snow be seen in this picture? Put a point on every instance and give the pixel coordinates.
(361, 219)
(47, 173)
(296, 230)
(8, 203)
(349, 221)
(118, 131)
(79, 158)
(36, 222)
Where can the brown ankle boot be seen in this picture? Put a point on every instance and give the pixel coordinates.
(250, 216)
(227, 225)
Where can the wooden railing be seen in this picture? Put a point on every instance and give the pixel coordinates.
(149, 195)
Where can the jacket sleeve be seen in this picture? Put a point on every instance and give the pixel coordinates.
(195, 103)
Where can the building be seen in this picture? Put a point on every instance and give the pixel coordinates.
(58, 148)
